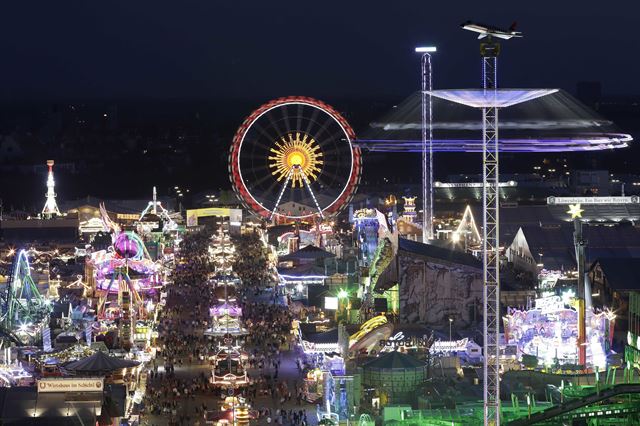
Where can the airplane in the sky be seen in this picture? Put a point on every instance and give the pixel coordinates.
(489, 31)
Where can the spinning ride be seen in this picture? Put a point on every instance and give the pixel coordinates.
(113, 268)
(293, 158)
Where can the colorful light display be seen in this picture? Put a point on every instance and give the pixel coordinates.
(226, 308)
(550, 332)
(366, 223)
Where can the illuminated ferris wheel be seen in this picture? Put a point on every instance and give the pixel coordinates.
(294, 158)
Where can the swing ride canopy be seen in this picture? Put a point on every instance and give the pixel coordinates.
(531, 120)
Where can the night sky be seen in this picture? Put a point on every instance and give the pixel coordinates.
(259, 49)
(200, 67)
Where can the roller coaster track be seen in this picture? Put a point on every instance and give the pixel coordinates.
(571, 409)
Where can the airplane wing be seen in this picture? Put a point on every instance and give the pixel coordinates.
(503, 36)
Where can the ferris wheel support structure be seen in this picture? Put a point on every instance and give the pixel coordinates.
(284, 187)
(315, 200)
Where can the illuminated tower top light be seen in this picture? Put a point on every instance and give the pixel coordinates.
(50, 207)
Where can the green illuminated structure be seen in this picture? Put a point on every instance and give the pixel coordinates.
(395, 376)
(632, 349)
(22, 302)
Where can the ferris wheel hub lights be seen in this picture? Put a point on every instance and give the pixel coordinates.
(296, 158)
(296, 155)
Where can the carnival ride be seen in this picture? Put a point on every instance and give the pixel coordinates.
(291, 241)
(50, 208)
(294, 158)
(113, 266)
(22, 302)
(226, 308)
(589, 406)
(154, 210)
(366, 224)
(368, 338)
(124, 272)
(550, 333)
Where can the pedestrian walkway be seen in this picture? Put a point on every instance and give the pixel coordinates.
(179, 390)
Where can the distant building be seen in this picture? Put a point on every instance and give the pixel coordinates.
(60, 230)
(589, 182)
(612, 282)
(26, 405)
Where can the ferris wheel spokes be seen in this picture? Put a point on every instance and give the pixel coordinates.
(296, 142)
(306, 181)
(284, 186)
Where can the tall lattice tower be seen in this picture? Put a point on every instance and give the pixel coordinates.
(50, 207)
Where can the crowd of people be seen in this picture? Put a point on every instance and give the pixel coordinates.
(179, 390)
(180, 339)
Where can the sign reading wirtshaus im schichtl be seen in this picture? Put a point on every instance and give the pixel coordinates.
(71, 385)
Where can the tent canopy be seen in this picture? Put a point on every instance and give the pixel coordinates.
(99, 362)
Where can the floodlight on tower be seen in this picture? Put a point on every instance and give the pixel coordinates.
(50, 207)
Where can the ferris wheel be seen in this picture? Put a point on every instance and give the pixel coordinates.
(294, 158)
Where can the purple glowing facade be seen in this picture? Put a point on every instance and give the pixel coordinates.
(597, 142)
(226, 308)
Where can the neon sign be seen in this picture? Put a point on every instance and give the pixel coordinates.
(400, 340)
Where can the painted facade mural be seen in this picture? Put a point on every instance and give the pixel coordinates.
(432, 292)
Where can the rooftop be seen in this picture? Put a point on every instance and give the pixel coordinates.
(394, 361)
(441, 253)
(307, 253)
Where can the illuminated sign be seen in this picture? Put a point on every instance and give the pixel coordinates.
(550, 304)
(331, 303)
(365, 214)
(127, 216)
(70, 385)
(594, 200)
(399, 339)
(451, 345)
(234, 215)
